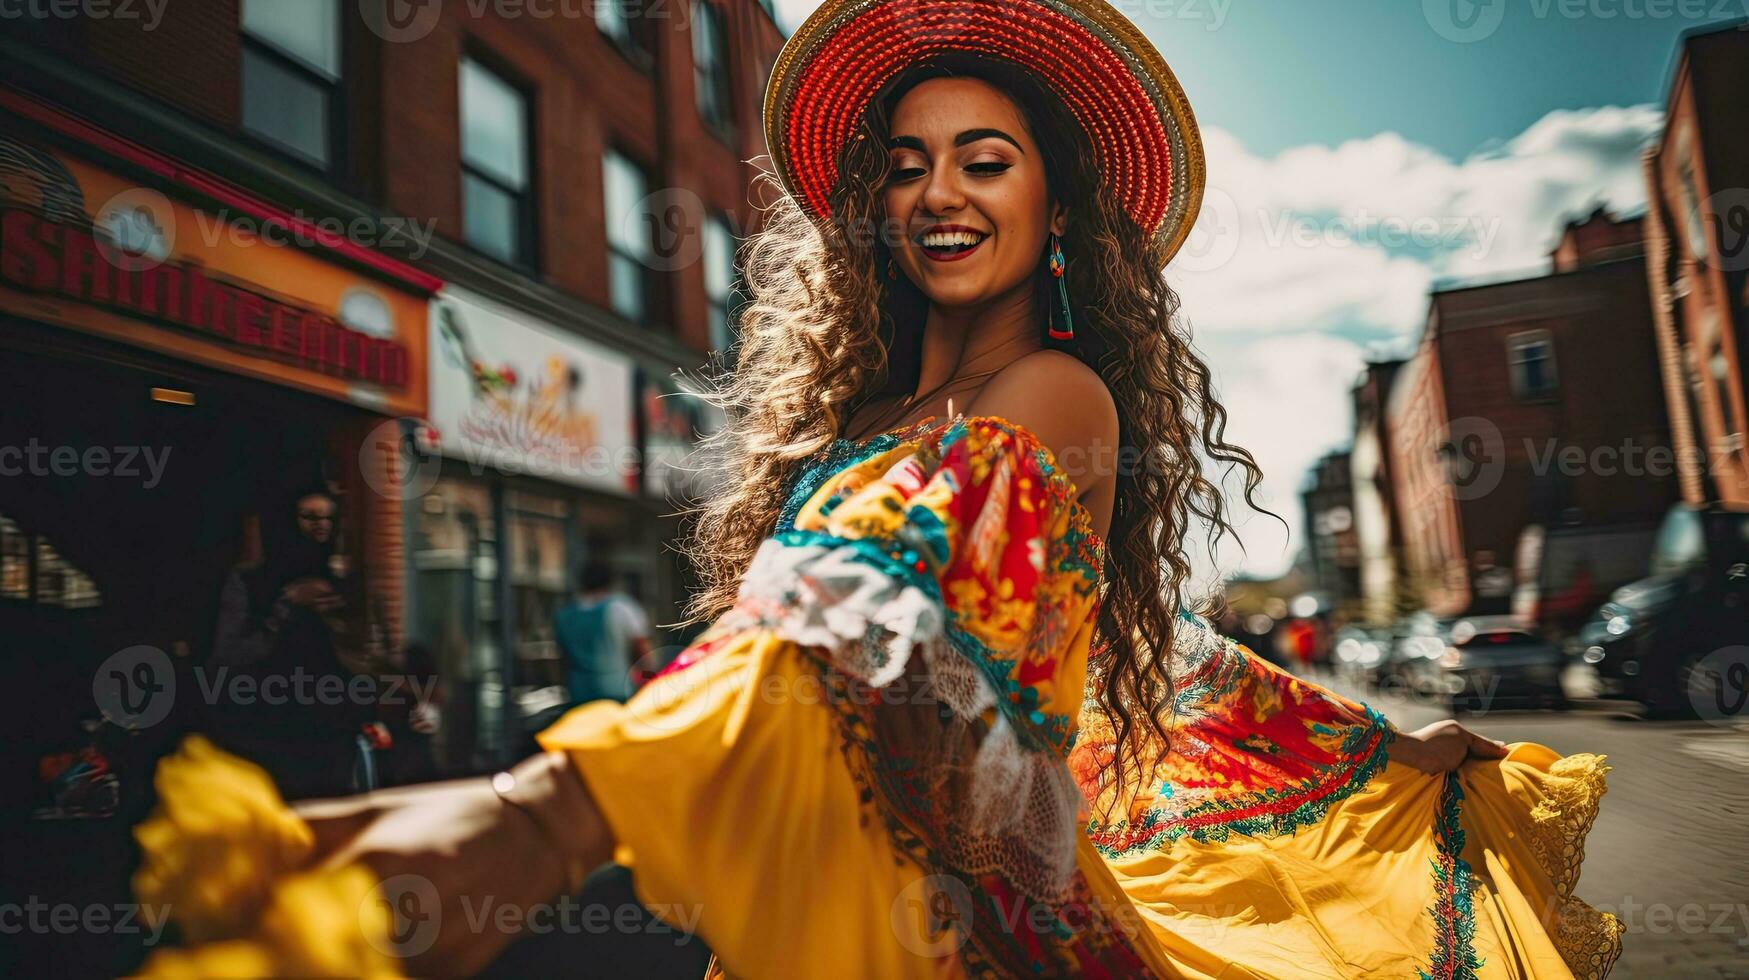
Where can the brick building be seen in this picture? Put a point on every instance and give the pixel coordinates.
(439, 258)
(1697, 260)
(530, 210)
(1376, 531)
(1529, 403)
(1332, 552)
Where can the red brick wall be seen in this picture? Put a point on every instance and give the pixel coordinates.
(586, 96)
(1660, 250)
(402, 107)
(1431, 535)
(1598, 238)
(1707, 319)
(371, 485)
(1608, 406)
(190, 59)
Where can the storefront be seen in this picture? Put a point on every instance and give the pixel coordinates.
(174, 381)
(530, 465)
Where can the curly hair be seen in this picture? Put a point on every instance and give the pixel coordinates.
(825, 332)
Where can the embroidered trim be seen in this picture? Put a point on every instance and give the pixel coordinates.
(1589, 940)
(839, 455)
(1454, 916)
(1079, 938)
(1219, 689)
(1269, 813)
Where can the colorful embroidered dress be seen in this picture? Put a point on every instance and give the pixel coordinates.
(878, 764)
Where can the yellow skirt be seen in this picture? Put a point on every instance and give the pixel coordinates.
(726, 787)
(1415, 875)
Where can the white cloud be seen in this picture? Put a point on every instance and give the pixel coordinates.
(1287, 402)
(1300, 258)
(1558, 169)
(791, 13)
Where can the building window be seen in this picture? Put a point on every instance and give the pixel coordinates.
(291, 77)
(710, 69)
(1531, 357)
(630, 244)
(32, 571)
(720, 281)
(627, 24)
(1693, 222)
(1720, 368)
(497, 191)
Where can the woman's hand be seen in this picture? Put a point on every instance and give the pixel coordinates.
(1443, 746)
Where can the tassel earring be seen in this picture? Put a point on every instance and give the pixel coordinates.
(1060, 309)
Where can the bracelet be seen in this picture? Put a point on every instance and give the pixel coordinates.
(577, 868)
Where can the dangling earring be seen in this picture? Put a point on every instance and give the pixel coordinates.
(1060, 309)
(892, 268)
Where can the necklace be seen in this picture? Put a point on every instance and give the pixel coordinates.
(904, 407)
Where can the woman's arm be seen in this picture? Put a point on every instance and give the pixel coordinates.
(459, 854)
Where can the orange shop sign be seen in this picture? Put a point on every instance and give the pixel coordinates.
(83, 248)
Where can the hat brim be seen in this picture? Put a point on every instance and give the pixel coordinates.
(1110, 76)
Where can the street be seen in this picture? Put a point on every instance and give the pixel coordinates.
(1669, 854)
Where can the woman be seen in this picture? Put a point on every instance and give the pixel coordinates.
(949, 719)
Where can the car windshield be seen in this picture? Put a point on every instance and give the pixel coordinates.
(1681, 542)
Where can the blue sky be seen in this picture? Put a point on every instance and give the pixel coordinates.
(1280, 73)
(1361, 152)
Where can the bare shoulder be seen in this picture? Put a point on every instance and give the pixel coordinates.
(1057, 398)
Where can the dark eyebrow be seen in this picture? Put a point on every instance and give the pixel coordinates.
(969, 136)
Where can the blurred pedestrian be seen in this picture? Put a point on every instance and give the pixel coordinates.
(413, 718)
(602, 633)
(276, 642)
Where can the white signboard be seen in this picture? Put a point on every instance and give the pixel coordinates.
(674, 422)
(512, 394)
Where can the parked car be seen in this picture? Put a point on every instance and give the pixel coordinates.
(1647, 640)
(1493, 660)
(1417, 642)
(1565, 572)
(1359, 652)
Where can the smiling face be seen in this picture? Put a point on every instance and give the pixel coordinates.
(966, 195)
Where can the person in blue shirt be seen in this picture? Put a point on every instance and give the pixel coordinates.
(602, 633)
